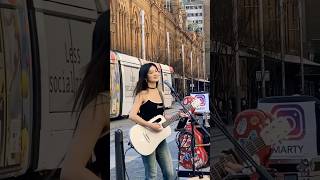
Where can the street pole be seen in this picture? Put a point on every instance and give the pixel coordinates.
(168, 48)
(204, 64)
(167, 5)
(262, 48)
(120, 159)
(283, 72)
(301, 46)
(191, 72)
(184, 82)
(198, 74)
(236, 53)
(142, 35)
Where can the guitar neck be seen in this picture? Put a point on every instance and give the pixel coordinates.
(218, 170)
(252, 147)
(174, 118)
(170, 121)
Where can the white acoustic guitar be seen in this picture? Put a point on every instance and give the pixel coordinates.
(145, 140)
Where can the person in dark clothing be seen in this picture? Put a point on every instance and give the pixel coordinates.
(148, 104)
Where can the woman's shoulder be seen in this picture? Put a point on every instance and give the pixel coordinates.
(142, 93)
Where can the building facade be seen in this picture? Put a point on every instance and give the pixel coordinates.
(155, 30)
(294, 49)
(195, 15)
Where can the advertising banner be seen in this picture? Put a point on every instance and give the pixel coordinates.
(302, 138)
(204, 99)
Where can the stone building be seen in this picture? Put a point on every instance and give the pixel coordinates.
(155, 30)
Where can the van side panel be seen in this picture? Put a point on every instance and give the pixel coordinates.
(65, 49)
(130, 76)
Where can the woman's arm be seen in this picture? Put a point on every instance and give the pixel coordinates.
(137, 119)
(91, 123)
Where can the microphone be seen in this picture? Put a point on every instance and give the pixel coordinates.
(166, 82)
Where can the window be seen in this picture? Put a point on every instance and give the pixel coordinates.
(200, 7)
(200, 14)
(196, 7)
(191, 7)
(187, 7)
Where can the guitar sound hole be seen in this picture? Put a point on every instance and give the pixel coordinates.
(158, 120)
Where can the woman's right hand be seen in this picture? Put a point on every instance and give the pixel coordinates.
(155, 127)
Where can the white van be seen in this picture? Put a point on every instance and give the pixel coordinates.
(129, 68)
(45, 46)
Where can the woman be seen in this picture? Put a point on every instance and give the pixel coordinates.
(149, 103)
(92, 103)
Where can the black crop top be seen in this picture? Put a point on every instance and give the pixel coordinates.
(150, 109)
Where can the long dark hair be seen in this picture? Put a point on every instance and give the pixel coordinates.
(94, 82)
(142, 83)
(95, 79)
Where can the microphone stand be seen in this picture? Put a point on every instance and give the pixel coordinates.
(193, 123)
(217, 121)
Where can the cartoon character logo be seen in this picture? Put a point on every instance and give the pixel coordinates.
(295, 115)
(202, 99)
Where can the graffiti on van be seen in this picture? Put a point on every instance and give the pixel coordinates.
(114, 89)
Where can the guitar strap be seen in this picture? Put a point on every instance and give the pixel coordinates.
(162, 99)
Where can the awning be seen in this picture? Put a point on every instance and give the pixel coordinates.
(201, 80)
(296, 59)
(277, 56)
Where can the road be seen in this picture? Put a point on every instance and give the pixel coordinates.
(134, 165)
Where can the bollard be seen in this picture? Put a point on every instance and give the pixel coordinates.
(120, 164)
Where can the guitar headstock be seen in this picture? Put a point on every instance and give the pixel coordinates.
(192, 103)
(196, 103)
(277, 130)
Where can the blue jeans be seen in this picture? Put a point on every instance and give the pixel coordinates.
(163, 157)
